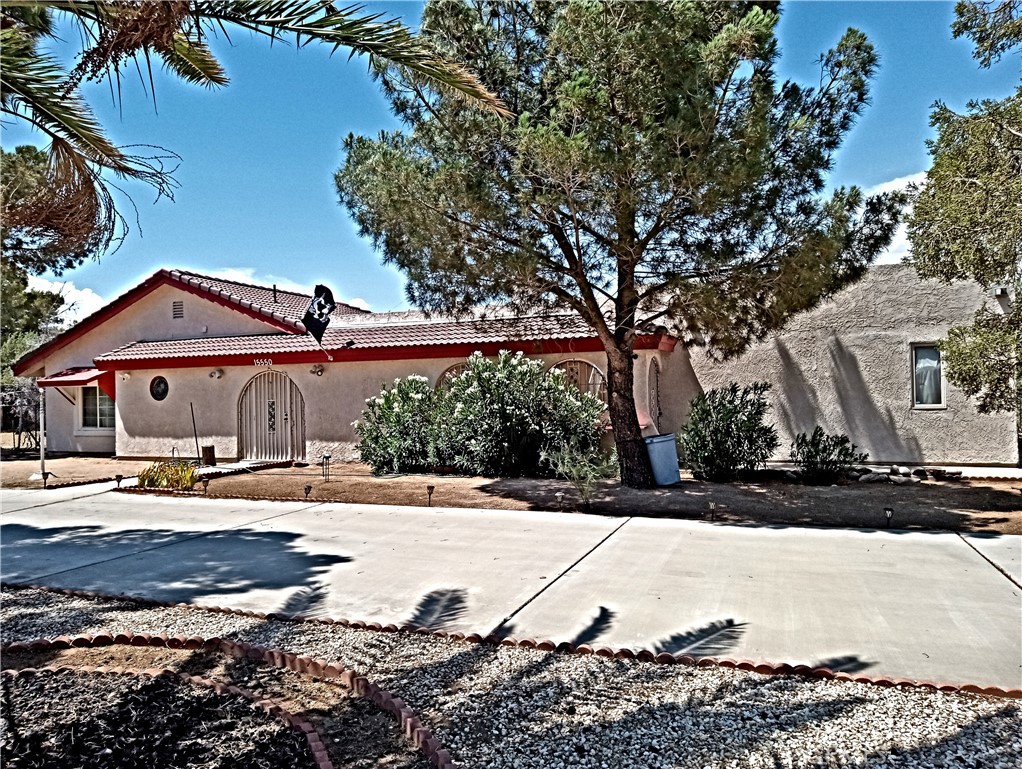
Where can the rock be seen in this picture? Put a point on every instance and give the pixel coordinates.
(791, 476)
(920, 473)
(875, 478)
(901, 480)
(894, 470)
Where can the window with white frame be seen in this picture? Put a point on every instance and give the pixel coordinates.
(97, 409)
(927, 377)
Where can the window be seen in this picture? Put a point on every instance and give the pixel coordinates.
(585, 376)
(653, 396)
(927, 377)
(97, 409)
(455, 371)
(177, 310)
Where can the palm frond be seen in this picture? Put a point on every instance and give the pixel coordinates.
(193, 62)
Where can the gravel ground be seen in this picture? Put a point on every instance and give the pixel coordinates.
(512, 707)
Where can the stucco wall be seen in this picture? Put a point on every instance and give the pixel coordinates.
(150, 318)
(846, 366)
(147, 428)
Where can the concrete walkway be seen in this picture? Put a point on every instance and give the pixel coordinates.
(927, 606)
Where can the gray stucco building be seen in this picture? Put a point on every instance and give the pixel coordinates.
(865, 364)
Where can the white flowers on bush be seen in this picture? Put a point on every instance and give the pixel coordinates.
(495, 418)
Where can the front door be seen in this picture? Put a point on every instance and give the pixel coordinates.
(271, 417)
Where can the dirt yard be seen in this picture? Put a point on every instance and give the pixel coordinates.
(990, 506)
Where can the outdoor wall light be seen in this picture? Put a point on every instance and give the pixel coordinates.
(118, 478)
(308, 490)
(125, 376)
(317, 370)
(429, 495)
(205, 485)
(889, 512)
(216, 373)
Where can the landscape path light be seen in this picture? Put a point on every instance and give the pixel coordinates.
(205, 485)
(118, 478)
(889, 513)
(429, 494)
(308, 490)
(326, 466)
(560, 499)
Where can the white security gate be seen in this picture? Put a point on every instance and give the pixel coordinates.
(271, 418)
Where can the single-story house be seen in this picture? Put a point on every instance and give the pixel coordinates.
(128, 379)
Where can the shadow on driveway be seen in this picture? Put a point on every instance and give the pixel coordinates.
(161, 563)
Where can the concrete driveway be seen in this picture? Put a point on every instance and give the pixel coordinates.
(927, 606)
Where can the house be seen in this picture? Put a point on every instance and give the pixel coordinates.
(128, 379)
(865, 363)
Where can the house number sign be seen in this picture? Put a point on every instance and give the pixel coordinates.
(262, 361)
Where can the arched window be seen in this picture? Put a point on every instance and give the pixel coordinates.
(444, 380)
(653, 390)
(585, 376)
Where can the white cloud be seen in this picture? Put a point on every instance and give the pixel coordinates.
(900, 247)
(78, 302)
(359, 302)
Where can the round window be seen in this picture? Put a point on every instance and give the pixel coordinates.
(159, 388)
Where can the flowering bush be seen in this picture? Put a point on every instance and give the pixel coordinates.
(396, 427)
(502, 414)
(498, 417)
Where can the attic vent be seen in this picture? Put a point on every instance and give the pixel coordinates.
(178, 309)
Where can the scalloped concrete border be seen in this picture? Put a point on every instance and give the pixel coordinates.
(411, 725)
(270, 707)
(212, 475)
(622, 653)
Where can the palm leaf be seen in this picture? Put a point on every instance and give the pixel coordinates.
(193, 62)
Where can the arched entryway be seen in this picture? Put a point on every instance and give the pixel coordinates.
(271, 418)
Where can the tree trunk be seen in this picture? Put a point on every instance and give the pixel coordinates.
(633, 459)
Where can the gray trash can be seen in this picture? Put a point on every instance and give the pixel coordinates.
(663, 455)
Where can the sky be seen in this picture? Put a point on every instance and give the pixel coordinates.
(256, 200)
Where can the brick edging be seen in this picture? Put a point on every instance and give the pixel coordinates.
(621, 653)
(411, 725)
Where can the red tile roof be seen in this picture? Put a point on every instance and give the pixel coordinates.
(256, 301)
(349, 335)
(279, 303)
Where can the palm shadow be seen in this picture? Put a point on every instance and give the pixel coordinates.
(197, 563)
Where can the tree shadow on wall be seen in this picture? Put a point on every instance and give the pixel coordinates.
(799, 408)
(868, 425)
(196, 564)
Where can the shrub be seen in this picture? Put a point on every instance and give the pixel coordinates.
(498, 417)
(726, 433)
(168, 475)
(501, 415)
(397, 426)
(822, 458)
(583, 469)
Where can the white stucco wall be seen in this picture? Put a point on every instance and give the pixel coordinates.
(148, 428)
(150, 318)
(846, 366)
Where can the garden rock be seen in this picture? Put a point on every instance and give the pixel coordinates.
(875, 478)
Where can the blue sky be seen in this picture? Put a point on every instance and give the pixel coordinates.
(256, 199)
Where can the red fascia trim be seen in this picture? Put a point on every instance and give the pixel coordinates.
(143, 289)
(412, 352)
